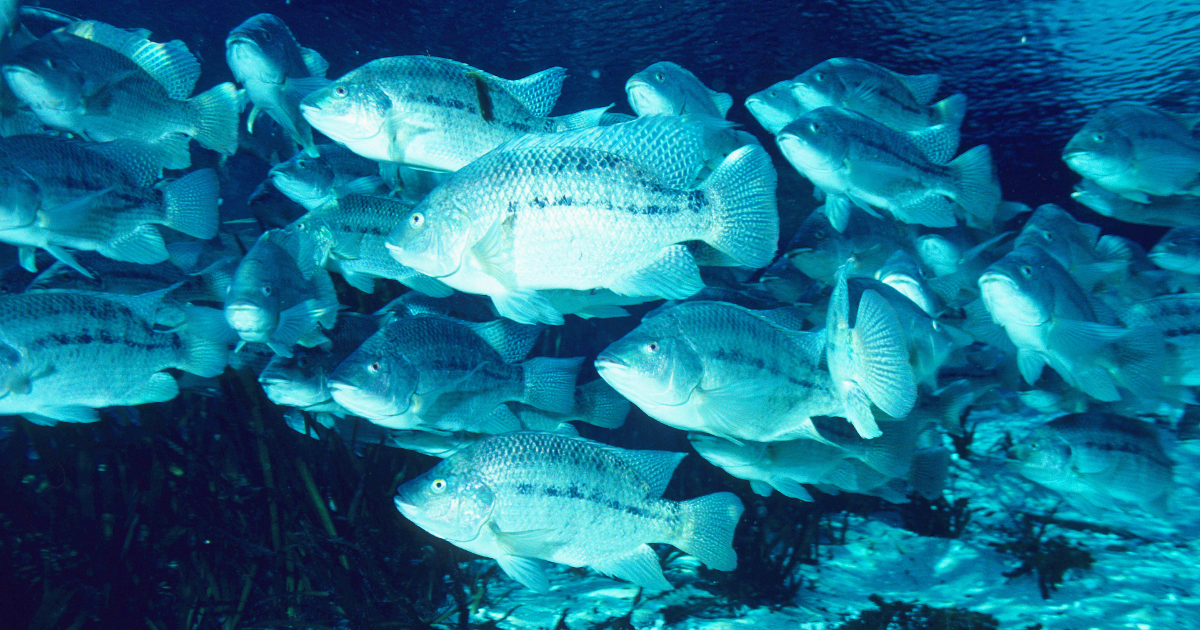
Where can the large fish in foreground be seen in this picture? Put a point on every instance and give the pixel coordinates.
(524, 497)
(609, 208)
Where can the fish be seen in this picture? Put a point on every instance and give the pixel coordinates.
(104, 83)
(902, 273)
(426, 112)
(302, 380)
(350, 236)
(112, 276)
(1174, 211)
(460, 306)
(529, 496)
(856, 160)
(775, 106)
(279, 295)
(1098, 461)
(1177, 315)
(277, 73)
(819, 250)
(1137, 151)
(608, 208)
(725, 370)
(1051, 320)
(438, 374)
(314, 182)
(668, 89)
(896, 100)
(1178, 250)
(65, 195)
(64, 354)
(1079, 247)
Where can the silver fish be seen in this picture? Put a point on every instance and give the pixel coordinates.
(866, 242)
(1078, 247)
(104, 83)
(1178, 317)
(902, 273)
(775, 106)
(857, 160)
(1175, 211)
(64, 354)
(668, 89)
(1098, 459)
(606, 208)
(111, 276)
(1178, 250)
(526, 496)
(725, 370)
(279, 295)
(302, 380)
(316, 181)
(276, 72)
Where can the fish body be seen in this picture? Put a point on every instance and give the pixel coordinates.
(315, 181)
(529, 495)
(279, 296)
(1096, 459)
(725, 370)
(276, 72)
(431, 113)
(857, 160)
(1137, 151)
(64, 354)
(103, 83)
(1177, 315)
(902, 273)
(605, 209)
(1174, 211)
(436, 373)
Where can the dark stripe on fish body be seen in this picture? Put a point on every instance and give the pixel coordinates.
(483, 93)
(923, 166)
(740, 358)
(104, 337)
(453, 103)
(1182, 331)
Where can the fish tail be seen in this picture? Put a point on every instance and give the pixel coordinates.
(977, 187)
(951, 110)
(1140, 357)
(217, 118)
(191, 203)
(707, 529)
(930, 466)
(550, 383)
(206, 338)
(601, 405)
(742, 189)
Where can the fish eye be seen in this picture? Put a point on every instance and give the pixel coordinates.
(50, 64)
(1099, 137)
(267, 36)
(302, 362)
(302, 163)
(773, 94)
(660, 77)
(438, 485)
(1027, 271)
(818, 77)
(374, 368)
(266, 290)
(820, 235)
(416, 220)
(652, 347)
(814, 127)
(339, 91)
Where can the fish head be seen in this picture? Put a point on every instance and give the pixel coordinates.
(1018, 288)
(775, 106)
(940, 254)
(374, 383)
(252, 300)
(258, 50)
(448, 501)
(296, 381)
(1178, 250)
(657, 90)
(653, 364)
(303, 178)
(726, 454)
(351, 110)
(1042, 450)
(62, 276)
(19, 198)
(815, 141)
(819, 86)
(1099, 150)
(435, 237)
(818, 249)
(46, 76)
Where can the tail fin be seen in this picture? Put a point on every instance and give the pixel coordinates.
(707, 528)
(550, 383)
(977, 187)
(951, 110)
(929, 469)
(206, 338)
(190, 203)
(217, 118)
(742, 191)
(1140, 358)
(600, 405)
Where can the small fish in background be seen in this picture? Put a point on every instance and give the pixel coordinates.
(112, 276)
(857, 161)
(956, 259)
(302, 380)
(104, 83)
(1137, 151)
(277, 73)
(606, 208)
(901, 272)
(64, 354)
(433, 113)
(1174, 211)
(1178, 250)
(279, 295)
(528, 496)
(1098, 461)
(819, 250)
(775, 106)
(725, 370)
(314, 182)
(64, 194)
(1089, 257)
(439, 374)
(1051, 320)
(1177, 315)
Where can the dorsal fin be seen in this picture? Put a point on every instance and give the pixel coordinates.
(313, 60)
(171, 64)
(538, 92)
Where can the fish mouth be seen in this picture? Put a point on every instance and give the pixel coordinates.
(608, 361)
(792, 253)
(989, 277)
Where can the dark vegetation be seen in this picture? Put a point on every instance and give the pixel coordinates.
(909, 616)
(1048, 559)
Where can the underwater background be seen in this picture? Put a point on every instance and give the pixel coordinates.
(209, 512)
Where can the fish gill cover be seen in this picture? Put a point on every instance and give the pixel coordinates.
(387, 346)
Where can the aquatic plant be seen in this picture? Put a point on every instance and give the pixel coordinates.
(897, 615)
(1048, 559)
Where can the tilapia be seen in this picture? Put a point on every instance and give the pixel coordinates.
(902, 273)
(64, 354)
(854, 159)
(1178, 317)
(112, 276)
(104, 83)
(276, 72)
(1178, 250)
(866, 242)
(434, 113)
(1097, 460)
(1079, 247)
(725, 370)
(1137, 151)
(606, 208)
(775, 106)
(1174, 211)
(668, 89)
(316, 181)
(439, 374)
(279, 295)
(65, 194)
(526, 496)
(302, 380)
